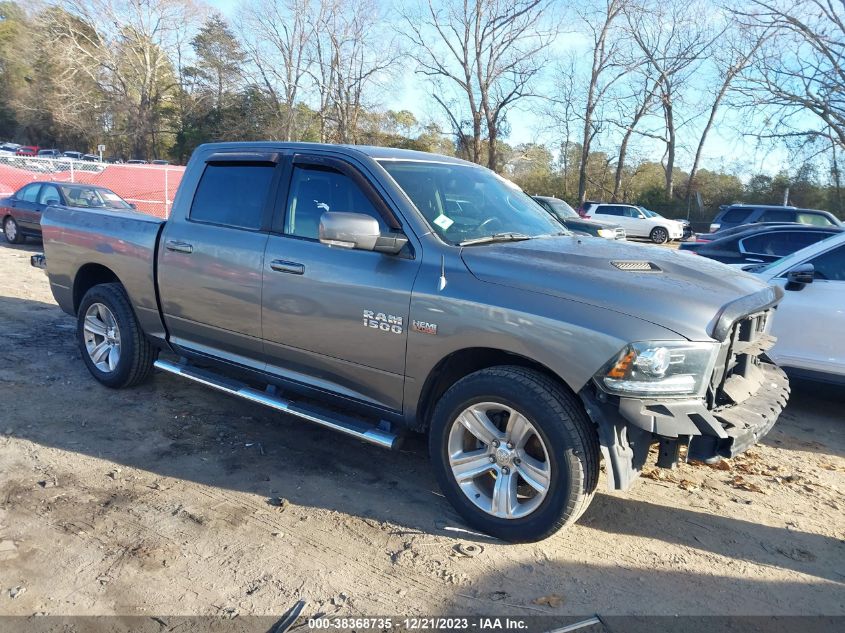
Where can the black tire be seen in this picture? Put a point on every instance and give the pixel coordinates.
(570, 438)
(10, 223)
(137, 355)
(659, 235)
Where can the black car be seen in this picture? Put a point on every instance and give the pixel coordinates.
(737, 214)
(574, 222)
(761, 244)
(709, 237)
(21, 212)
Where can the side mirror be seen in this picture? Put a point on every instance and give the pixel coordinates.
(800, 276)
(132, 205)
(358, 231)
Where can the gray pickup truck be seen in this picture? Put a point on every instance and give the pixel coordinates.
(375, 291)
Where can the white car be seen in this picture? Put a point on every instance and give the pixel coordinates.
(810, 319)
(635, 222)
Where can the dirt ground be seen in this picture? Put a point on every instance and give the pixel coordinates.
(173, 499)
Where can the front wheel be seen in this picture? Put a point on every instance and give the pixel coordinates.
(111, 342)
(11, 231)
(659, 235)
(514, 453)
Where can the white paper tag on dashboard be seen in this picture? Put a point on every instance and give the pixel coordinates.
(443, 222)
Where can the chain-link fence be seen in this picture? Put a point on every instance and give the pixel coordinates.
(150, 188)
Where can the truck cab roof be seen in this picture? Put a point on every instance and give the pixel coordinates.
(372, 151)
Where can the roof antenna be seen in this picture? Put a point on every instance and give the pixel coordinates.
(442, 283)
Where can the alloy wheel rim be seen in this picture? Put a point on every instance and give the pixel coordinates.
(499, 460)
(102, 337)
(11, 229)
(661, 235)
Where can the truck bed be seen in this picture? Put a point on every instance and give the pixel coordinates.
(91, 242)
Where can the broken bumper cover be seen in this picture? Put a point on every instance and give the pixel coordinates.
(722, 432)
(38, 261)
(748, 422)
(628, 426)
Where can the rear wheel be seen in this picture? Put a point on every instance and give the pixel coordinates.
(112, 344)
(514, 452)
(12, 231)
(659, 235)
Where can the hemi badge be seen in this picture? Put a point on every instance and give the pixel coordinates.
(424, 327)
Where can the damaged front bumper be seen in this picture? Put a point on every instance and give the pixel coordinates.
(38, 261)
(629, 426)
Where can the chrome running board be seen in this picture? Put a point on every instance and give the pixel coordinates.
(355, 428)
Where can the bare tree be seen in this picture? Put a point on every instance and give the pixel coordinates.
(125, 48)
(275, 34)
(836, 174)
(801, 70)
(634, 106)
(605, 70)
(560, 110)
(490, 51)
(673, 39)
(350, 52)
(734, 54)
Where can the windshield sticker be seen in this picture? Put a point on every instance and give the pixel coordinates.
(443, 222)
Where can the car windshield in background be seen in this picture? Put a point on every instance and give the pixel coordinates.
(92, 198)
(464, 204)
(562, 209)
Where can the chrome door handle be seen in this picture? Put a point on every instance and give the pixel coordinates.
(179, 247)
(281, 266)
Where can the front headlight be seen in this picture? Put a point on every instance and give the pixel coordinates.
(659, 368)
(607, 233)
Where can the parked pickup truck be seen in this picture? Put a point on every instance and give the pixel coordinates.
(375, 291)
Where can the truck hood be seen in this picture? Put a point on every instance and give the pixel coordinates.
(683, 292)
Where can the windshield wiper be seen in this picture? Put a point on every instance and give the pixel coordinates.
(496, 237)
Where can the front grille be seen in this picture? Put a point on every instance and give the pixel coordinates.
(739, 376)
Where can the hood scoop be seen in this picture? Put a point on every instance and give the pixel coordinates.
(637, 266)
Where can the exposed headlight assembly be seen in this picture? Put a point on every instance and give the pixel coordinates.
(659, 368)
(607, 233)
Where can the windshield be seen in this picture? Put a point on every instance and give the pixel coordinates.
(649, 213)
(562, 208)
(463, 203)
(89, 197)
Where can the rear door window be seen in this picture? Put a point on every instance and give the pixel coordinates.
(233, 194)
(29, 193)
(736, 216)
(777, 215)
(781, 243)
